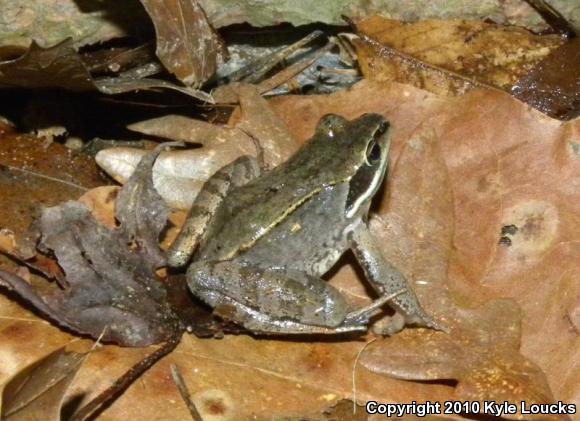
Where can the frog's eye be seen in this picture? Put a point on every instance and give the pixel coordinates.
(373, 153)
(330, 124)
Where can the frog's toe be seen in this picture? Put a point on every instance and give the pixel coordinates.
(434, 324)
(388, 326)
(394, 324)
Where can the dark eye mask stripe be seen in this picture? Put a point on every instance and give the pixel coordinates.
(360, 187)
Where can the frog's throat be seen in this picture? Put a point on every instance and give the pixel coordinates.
(247, 245)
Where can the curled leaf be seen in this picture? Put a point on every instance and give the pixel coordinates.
(37, 392)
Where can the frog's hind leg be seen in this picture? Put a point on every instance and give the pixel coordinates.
(271, 300)
(237, 173)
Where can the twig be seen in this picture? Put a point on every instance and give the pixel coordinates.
(553, 18)
(359, 353)
(291, 71)
(108, 396)
(256, 69)
(184, 392)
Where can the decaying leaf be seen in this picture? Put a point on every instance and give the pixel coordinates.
(187, 45)
(37, 392)
(449, 57)
(110, 287)
(184, 129)
(28, 177)
(119, 85)
(258, 120)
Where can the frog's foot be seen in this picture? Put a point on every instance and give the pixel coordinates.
(389, 325)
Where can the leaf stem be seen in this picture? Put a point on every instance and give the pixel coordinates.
(92, 409)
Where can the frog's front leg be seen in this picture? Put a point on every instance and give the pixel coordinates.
(387, 279)
(273, 300)
(237, 173)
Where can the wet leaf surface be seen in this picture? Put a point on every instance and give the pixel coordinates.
(29, 179)
(449, 57)
(38, 391)
(553, 86)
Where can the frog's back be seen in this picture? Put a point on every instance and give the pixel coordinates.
(248, 212)
(311, 239)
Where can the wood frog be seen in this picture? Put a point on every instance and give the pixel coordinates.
(261, 242)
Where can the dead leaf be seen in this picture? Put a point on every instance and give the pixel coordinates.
(115, 60)
(121, 84)
(482, 354)
(61, 66)
(179, 175)
(258, 120)
(449, 57)
(187, 45)
(109, 289)
(7, 241)
(28, 177)
(100, 201)
(185, 129)
(37, 392)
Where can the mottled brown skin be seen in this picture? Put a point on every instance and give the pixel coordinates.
(266, 241)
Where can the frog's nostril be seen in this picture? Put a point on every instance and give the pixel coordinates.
(383, 127)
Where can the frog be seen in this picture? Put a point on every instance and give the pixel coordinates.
(257, 242)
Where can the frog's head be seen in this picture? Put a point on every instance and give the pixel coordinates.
(356, 152)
